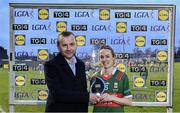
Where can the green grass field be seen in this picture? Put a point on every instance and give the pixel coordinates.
(4, 80)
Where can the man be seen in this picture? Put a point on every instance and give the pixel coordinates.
(66, 79)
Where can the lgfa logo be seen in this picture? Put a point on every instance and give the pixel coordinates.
(42, 94)
(140, 41)
(121, 27)
(162, 56)
(43, 14)
(20, 40)
(104, 14)
(81, 40)
(163, 15)
(20, 81)
(61, 26)
(43, 54)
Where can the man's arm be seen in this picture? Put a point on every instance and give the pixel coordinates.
(62, 95)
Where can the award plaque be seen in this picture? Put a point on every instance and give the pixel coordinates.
(97, 86)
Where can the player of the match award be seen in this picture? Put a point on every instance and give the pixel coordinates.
(97, 86)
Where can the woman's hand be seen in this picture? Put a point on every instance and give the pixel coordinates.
(106, 98)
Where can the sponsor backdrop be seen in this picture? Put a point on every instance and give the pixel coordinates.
(140, 37)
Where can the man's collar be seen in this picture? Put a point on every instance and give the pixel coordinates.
(73, 60)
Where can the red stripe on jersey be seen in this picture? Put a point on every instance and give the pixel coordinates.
(119, 76)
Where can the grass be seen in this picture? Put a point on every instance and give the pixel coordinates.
(40, 108)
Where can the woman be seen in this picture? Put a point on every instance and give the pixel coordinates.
(116, 90)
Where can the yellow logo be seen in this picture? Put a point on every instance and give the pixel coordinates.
(121, 27)
(6, 66)
(162, 56)
(20, 80)
(81, 40)
(104, 14)
(42, 94)
(121, 67)
(161, 96)
(61, 26)
(163, 15)
(43, 14)
(140, 41)
(20, 40)
(43, 54)
(139, 82)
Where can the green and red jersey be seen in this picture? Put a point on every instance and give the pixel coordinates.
(118, 85)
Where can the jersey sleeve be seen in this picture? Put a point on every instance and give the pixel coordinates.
(126, 91)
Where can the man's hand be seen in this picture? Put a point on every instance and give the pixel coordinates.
(93, 98)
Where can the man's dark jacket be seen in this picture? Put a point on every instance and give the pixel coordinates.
(67, 92)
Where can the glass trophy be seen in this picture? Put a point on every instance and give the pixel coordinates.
(97, 86)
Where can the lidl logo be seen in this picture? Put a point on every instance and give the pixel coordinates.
(20, 80)
(43, 54)
(42, 94)
(160, 96)
(104, 14)
(6, 66)
(140, 41)
(43, 14)
(162, 56)
(20, 40)
(121, 67)
(121, 27)
(139, 82)
(81, 40)
(61, 26)
(163, 15)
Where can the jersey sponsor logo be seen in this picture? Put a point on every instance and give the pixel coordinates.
(160, 96)
(104, 14)
(138, 82)
(20, 39)
(140, 41)
(43, 14)
(163, 15)
(162, 56)
(43, 54)
(61, 26)
(115, 86)
(20, 80)
(121, 27)
(42, 94)
(80, 40)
